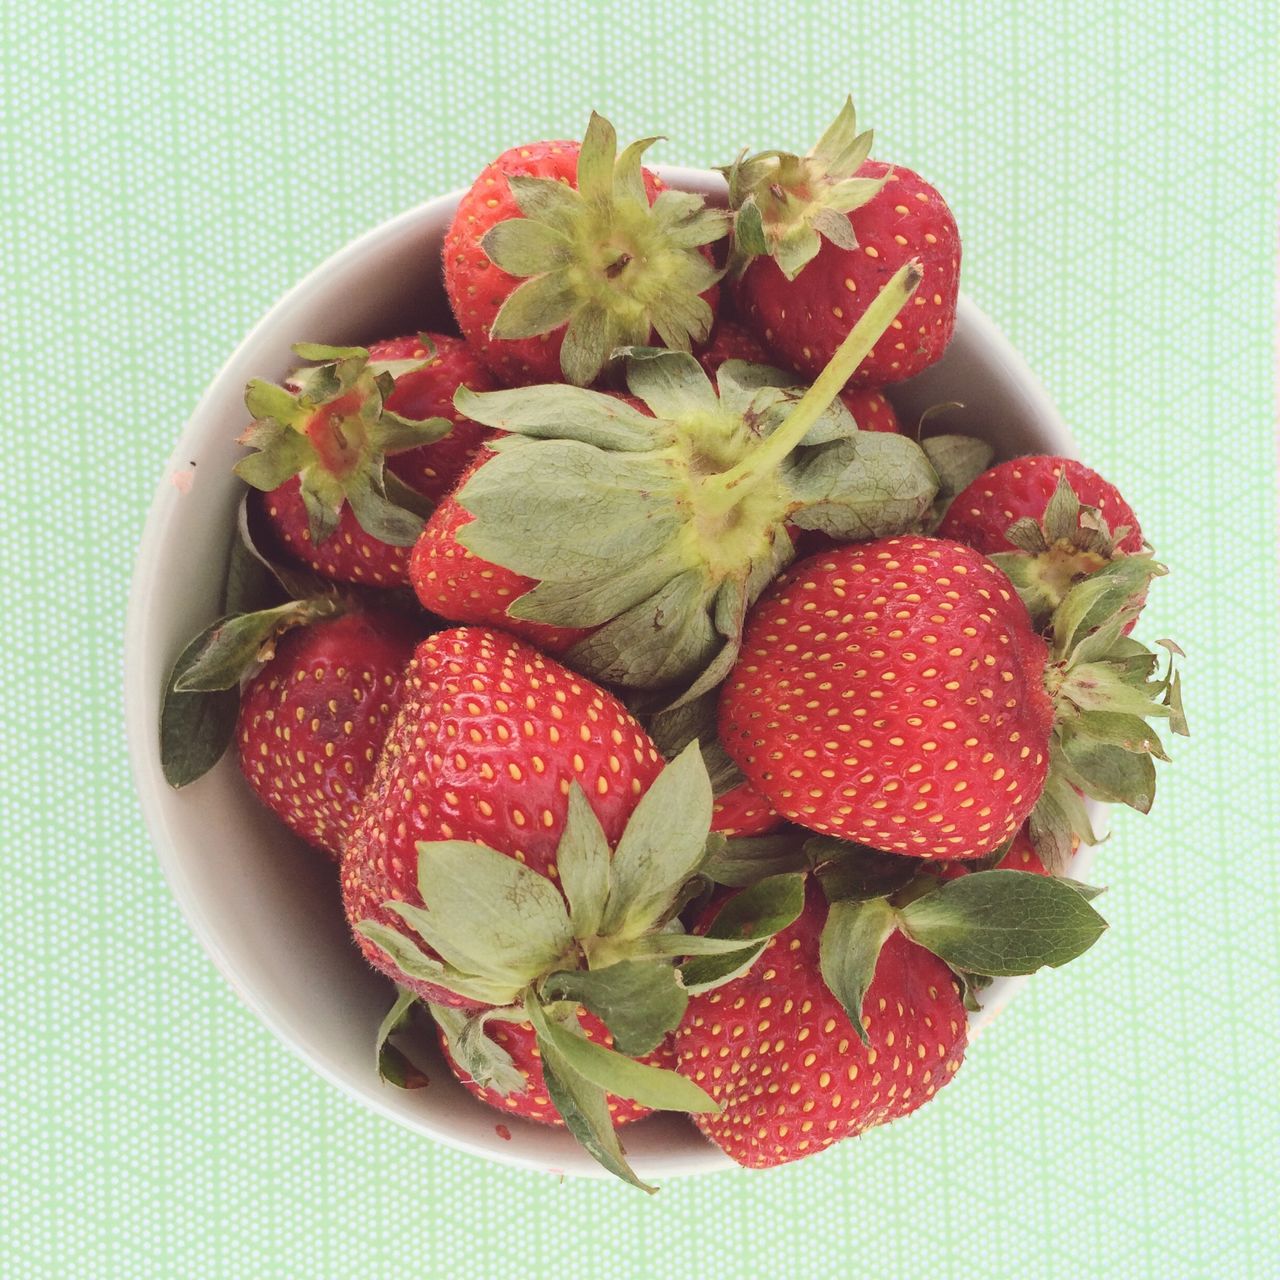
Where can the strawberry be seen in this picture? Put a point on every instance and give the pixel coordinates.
(458, 585)
(779, 1050)
(313, 719)
(743, 811)
(817, 236)
(1048, 522)
(525, 1093)
(871, 409)
(657, 531)
(896, 693)
(869, 406)
(487, 742)
(353, 453)
(1021, 856)
(561, 252)
(731, 341)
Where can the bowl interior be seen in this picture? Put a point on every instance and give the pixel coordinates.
(265, 907)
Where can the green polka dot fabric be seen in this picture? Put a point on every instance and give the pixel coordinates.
(167, 170)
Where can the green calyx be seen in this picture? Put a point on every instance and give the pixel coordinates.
(1070, 543)
(602, 936)
(334, 433)
(783, 205)
(986, 924)
(603, 261)
(1107, 688)
(659, 532)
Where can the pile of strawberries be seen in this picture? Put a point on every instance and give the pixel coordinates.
(689, 735)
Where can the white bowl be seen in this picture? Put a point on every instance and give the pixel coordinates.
(266, 908)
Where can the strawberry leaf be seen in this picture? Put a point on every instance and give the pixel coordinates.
(487, 913)
(582, 859)
(412, 961)
(485, 1061)
(195, 727)
(744, 860)
(1000, 923)
(957, 461)
(233, 646)
(848, 950)
(640, 1001)
(532, 504)
(869, 486)
(752, 917)
(392, 1064)
(654, 1087)
(296, 582)
(584, 1108)
(661, 847)
(673, 728)
(561, 413)
(853, 873)
(671, 383)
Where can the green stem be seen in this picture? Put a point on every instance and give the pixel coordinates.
(730, 486)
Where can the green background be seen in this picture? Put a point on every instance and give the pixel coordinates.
(166, 171)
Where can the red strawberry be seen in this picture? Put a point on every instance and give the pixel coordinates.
(458, 585)
(530, 1102)
(349, 413)
(896, 693)
(743, 811)
(893, 693)
(313, 719)
(731, 341)
(488, 739)
(870, 407)
(1022, 856)
(817, 236)
(608, 259)
(1050, 521)
(777, 1048)
(426, 390)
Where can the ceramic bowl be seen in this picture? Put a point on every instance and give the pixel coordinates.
(264, 906)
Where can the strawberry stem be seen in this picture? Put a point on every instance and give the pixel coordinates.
(730, 486)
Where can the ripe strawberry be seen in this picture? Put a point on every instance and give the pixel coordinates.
(488, 739)
(608, 259)
(1049, 522)
(870, 407)
(895, 693)
(731, 341)
(529, 1099)
(777, 1048)
(395, 399)
(817, 236)
(458, 585)
(1022, 856)
(743, 811)
(313, 719)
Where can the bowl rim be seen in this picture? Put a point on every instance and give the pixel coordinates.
(152, 789)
